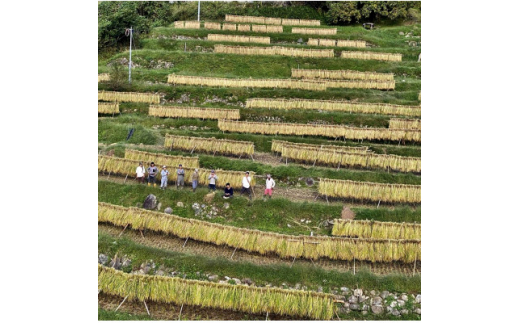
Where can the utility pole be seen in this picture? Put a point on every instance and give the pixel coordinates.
(198, 13)
(129, 32)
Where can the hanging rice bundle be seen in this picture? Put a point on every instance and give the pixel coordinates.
(244, 28)
(344, 106)
(232, 27)
(285, 246)
(162, 159)
(274, 29)
(103, 77)
(245, 19)
(376, 229)
(345, 156)
(241, 298)
(178, 24)
(212, 25)
(123, 167)
(351, 43)
(393, 57)
(313, 42)
(341, 74)
(128, 97)
(356, 84)
(405, 124)
(314, 31)
(332, 131)
(239, 38)
(300, 22)
(419, 96)
(370, 191)
(210, 145)
(108, 107)
(193, 112)
(274, 50)
(192, 24)
(252, 83)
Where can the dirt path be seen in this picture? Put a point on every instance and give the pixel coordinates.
(170, 312)
(173, 243)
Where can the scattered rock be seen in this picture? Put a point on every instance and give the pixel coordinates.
(102, 259)
(373, 292)
(159, 273)
(418, 311)
(393, 304)
(299, 41)
(159, 206)
(404, 297)
(222, 282)
(354, 307)
(404, 311)
(418, 298)
(180, 204)
(377, 309)
(150, 202)
(126, 262)
(320, 289)
(364, 312)
(347, 213)
(297, 286)
(213, 278)
(361, 299)
(168, 210)
(237, 281)
(365, 307)
(396, 313)
(247, 281)
(115, 263)
(226, 205)
(289, 226)
(358, 292)
(353, 299)
(385, 294)
(377, 300)
(344, 289)
(401, 33)
(400, 302)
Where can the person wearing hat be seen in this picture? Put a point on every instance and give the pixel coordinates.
(180, 177)
(164, 177)
(139, 171)
(195, 179)
(152, 172)
(246, 185)
(212, 180)
(269, 186)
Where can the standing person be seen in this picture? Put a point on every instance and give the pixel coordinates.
(246, 185)
(164, 177)
(269, 186)
(180, 177)
(195, 179)
(139, 171)
(228, 191)
(212, 180)
(152, 172)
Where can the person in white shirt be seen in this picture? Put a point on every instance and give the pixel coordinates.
(139, 171)
(269, 186)
(246, 185)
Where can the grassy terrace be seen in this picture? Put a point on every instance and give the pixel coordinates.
(309, 276)
(273, 215)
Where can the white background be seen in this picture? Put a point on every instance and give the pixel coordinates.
(469, 151)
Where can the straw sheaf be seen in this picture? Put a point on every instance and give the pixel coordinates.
(394, 57)
(103, 77)
(314, 31)
(356, 84)
(346, 106)
(336, 43)
(346, 156)
(108, 107)
(239, 38)
(210, 145)
(405, 124)
(232, 27)
(162, 159)
(244, 27)
(212, 25)
(333, 131)
(341, 74)
(193, 112)
(128, 97)
(123, 166)
(250, 83)
(274, 50)
(272, 21)
(248, 299)
(187, 24)
(370, 191)
(285, 246)
(376, 230)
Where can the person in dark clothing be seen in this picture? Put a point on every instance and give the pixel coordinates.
(228, 191)
(152, 172)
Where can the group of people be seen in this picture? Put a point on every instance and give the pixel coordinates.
(152, 172)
